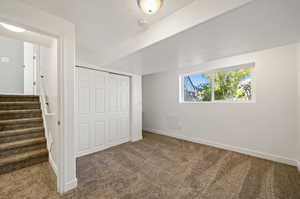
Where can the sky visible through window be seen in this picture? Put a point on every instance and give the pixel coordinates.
(199, 79)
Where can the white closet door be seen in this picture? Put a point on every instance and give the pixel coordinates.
(84, 131)
(118, 110)
(98, 109)
(103, 110)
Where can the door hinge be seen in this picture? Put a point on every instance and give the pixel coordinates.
(58, 123)
(34, 57)
(34, 83)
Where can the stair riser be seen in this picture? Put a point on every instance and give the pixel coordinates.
(10, 116)
(22, 150)
(7, 127)
(18, 106)
(21, 137)
(23, 164)
(18, 99)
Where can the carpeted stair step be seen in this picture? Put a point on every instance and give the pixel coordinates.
(18, 98)
(22, 138)
(24, 149)
(21, 134)
(13, 124)
(17, 146)
(22, 160)
(20, 114)
(19, 105)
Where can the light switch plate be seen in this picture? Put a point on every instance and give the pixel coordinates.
(5, 59)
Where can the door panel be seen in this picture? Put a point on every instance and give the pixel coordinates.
(28, 68)
(99, 133)
(113, 130)
(84, 92)
(84, 100)
(124, 126)
(124, 95)
(113, 94)
(100, 100)
(103, 110)
(84, 137)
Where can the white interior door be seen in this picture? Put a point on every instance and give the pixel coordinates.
(29, 68)
(103, 110)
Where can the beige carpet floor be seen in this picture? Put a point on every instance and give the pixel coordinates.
(164, 168)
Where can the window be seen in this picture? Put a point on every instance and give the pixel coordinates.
(233, 84)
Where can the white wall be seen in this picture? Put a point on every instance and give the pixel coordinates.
(266, 128)
(11, 72)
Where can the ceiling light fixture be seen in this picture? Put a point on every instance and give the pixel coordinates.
(12, 28)
(150, 6)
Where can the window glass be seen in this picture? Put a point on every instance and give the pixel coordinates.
(197, 88)
(233, 85)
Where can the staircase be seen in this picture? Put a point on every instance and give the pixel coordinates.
(22, 139)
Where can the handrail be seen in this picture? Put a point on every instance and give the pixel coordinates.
(46, 114)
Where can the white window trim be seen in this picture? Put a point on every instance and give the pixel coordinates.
(223, 69)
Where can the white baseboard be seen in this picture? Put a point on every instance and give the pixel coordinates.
(245, 151)
(136, 139)
(101, 148)
(298, 165)
(53, 165)
(70, 185)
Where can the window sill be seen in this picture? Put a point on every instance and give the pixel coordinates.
(221, 102)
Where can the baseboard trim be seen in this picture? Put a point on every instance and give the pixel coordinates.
(70, 185)
(101, 148)
(298, 165)
(136, 139)
(53, 165)
(245, 151)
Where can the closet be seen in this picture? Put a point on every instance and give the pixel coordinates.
(103, 110)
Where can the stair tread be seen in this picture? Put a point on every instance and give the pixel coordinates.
(20, 111)
(18, 95)
(21, 143)
(23, 156)
(20, 131)
(20, 102)
(22, 139)
(23, 120)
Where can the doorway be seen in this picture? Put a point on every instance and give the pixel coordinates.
(29, 70)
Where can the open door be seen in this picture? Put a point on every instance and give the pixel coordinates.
(30, 68)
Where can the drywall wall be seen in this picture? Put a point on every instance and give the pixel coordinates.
(11, 65)
(266, 128)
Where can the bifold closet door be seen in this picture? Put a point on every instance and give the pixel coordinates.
(118, 110)
(103, 110)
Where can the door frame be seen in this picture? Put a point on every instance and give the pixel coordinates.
(65, 42)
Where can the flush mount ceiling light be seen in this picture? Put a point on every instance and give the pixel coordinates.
(150, 6)
(12, 28)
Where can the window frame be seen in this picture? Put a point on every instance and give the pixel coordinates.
(214, 72)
